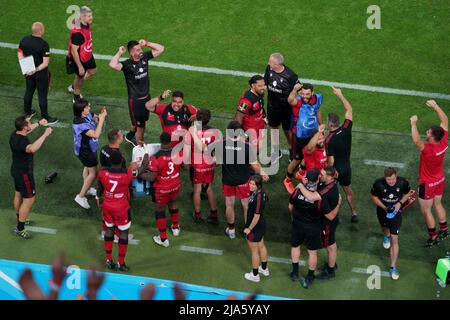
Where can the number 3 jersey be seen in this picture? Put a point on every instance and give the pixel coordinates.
(168, 169)
(116, 186)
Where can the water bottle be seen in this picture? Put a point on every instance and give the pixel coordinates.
(49, 178)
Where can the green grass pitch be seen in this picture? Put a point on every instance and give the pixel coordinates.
(321, 41)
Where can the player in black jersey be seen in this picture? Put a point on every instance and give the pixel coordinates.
(390, 194)
(280, 81)
(255, 229)
(329, 191)
(22, 169)
(115, 139)
(306, 226)
(135, 70)
(338, 145)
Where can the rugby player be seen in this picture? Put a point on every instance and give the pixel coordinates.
(135, 70)
(390, 194)
(250, 112)
(306, 117)
(338, 145)
(314, 154)
(431, 173)
(80, 59)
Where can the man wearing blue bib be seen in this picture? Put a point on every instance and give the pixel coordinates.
(306, 118)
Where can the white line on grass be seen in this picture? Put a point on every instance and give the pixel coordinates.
(384, 163)
(186, 67)
(41, 230)
(132, 241)
(201, 250)
(365, 271)
(285, 261)
(10, 281)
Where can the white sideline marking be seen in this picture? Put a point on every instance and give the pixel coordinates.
(364, 271)
(41, 230)
(59, 125)
(384, 163)
(201, 250)
(10, 281)
(186, 67)
(285, 261)
(132, 241)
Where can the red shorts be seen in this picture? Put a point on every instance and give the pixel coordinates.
(116, 216)
(429, 190)
(242, 191)
(255, 136)
(164, 196)
(203, 175)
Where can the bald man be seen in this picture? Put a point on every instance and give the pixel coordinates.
(34, 45)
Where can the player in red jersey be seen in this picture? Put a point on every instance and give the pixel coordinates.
(431, 173)
(175, 117)
(80, 59)
(165, 175)
(202, 163)
(113, 197)
(250, 111)
(314, 154)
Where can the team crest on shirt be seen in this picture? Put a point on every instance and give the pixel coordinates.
(141, 70)
(274, 83)
(243, 106)
(398, 189)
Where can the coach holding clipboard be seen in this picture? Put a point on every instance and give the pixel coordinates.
(39, 76)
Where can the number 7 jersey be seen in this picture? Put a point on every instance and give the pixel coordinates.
(168, 170)
(116, 186)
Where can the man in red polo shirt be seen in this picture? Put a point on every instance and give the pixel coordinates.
(175, 117)
(80, 59)
(431, 173)
(314, 154)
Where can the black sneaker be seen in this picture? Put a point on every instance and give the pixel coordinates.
(443, 235)
(23, 234)
(354, 218)
(432, 242)
(30, 114)
(325, 267)
(51, 120)
(123, 267)
(212, 220)
(307, 282)
(326, 275)
(110, 264)
(294, 276)
(130, 137)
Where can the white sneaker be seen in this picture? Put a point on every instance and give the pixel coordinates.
(82, 201)
(264, 272)
(70, 88)
(157, 240)
(230, 233)
(130, 236)
(249, 276)
(386, 242)
(175, 231)
(91, 192)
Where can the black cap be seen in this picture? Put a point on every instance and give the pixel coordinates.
(312, 175)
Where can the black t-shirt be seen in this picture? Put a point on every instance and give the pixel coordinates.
(387, 194)
(256, 204)
(339, 145)
(330, 193)
(279, 86)
(105, 156)
(136, 76)
(35, 46)
(306, 211)
(22, 161)
(235, 157)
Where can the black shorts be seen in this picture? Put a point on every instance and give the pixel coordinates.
(24, 183)
(258, 232)
(392, 224)
(298, 145)
(308, 234)
(138, 112)
(72, 67)
(329, 231)
(277, 116)
(88, 159)
(344, 175)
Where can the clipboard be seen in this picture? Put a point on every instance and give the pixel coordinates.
(27, 64)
